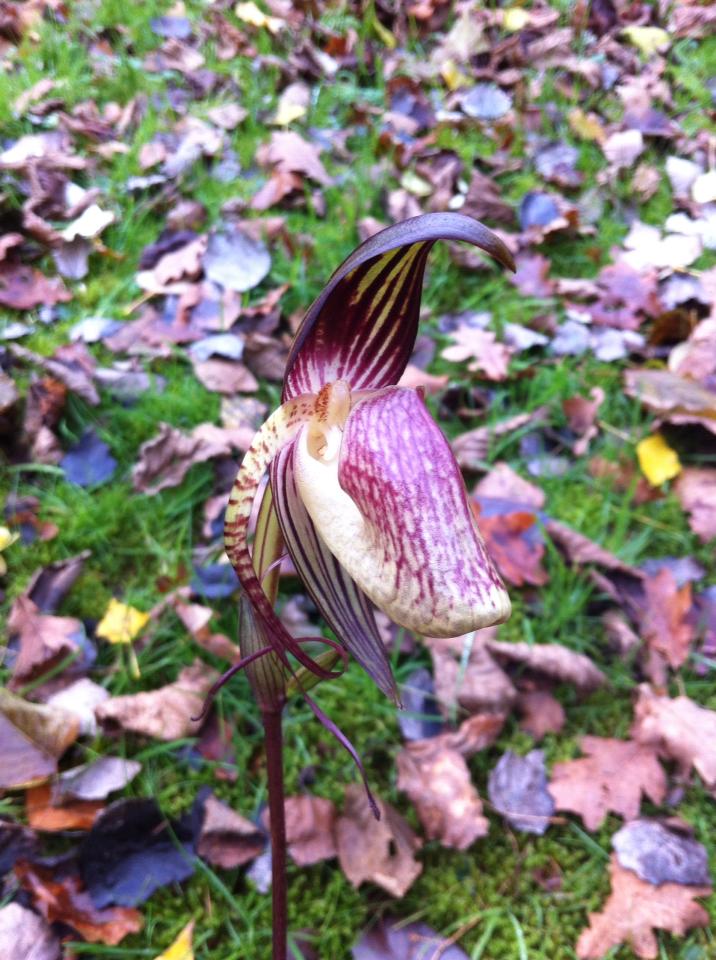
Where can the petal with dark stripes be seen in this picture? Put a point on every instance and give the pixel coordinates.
(345, 608)
(393, 510)
(362, 326)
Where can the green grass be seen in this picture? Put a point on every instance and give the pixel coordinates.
(135, 539)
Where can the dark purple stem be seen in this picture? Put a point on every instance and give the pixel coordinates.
(274, 764)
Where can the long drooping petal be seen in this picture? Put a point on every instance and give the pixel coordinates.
(281, 428)
(362, 327)
(343, 605)
(392, 509)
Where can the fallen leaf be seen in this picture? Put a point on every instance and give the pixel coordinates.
(44, 641)
(632, 912)
(181, 948)
(530, 278)
(471, 449)
(32, 739)
(581, 416)
(503, 483)
(467, 676)
(90, 223)
(438, 783)
(121, 623)
(680, 729)
(131, 851)
(515, 545)
(681, 400)
(420, 718)
(96, 780)
(660, 855)
(490, 357)
(226, 839)
(196, 619)
(581, 550)
(166, 713)
(611, 778)
(65, 901)
(89, 463)
(289, 153)
(485, 101)
(541, 713)
(292, 104)
(250, 13)
(49, 585)
(310, 829)
(24, 288)
(658, 461)
(223, 376)
(383, 851)
(517, 788)
(396, 940)
(26, 936)
(623, 147)
(79, 701)
(648, 40)
(552, 660)
(165, 460)
(696, 490)
(236, 261)
(665, 623)
(43, 814)
(71, 364)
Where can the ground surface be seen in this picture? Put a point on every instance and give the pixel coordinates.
(126, 83)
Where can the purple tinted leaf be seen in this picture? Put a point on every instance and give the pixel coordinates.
(391, 939)
(89, 463)
(518, 790)
(214, 581)
(420, 718)
(537, 210)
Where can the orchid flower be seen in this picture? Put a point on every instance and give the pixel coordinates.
(364, 490)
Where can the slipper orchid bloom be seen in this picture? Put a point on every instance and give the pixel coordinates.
(365, 494)
(369, 499)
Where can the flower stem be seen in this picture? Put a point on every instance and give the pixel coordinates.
(274, 763)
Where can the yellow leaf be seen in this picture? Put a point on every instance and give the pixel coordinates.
(286, 113)
(181, 948)
(384, 34)
(648, 40)
(251, 14)
(515, 18)
(586, 125)
(6, 540)
(121, 623)
(453, 75)
(657, 460)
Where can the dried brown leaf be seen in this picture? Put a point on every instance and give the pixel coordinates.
(680, 729)
(490, 357)
(310, 829)
(696, 490)
(679, 400)
(24, 288)
(226, 839)
(32, 739)
(43, 814)
(541, 713)
(665, 624)
(580, 549)
(438, 783)
(634, 910)
(552, 660)
(383, 851)
(288, 152)
(64, 900)
(26, 936)
(44, 641)
(166, 713)
(467, 676)
(611, 778)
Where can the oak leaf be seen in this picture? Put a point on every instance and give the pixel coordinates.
(680, 729)
(634, 910)
(612, 777)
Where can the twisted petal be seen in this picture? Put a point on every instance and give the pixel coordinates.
(392, 509)
(362, 327)
(345, 608)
